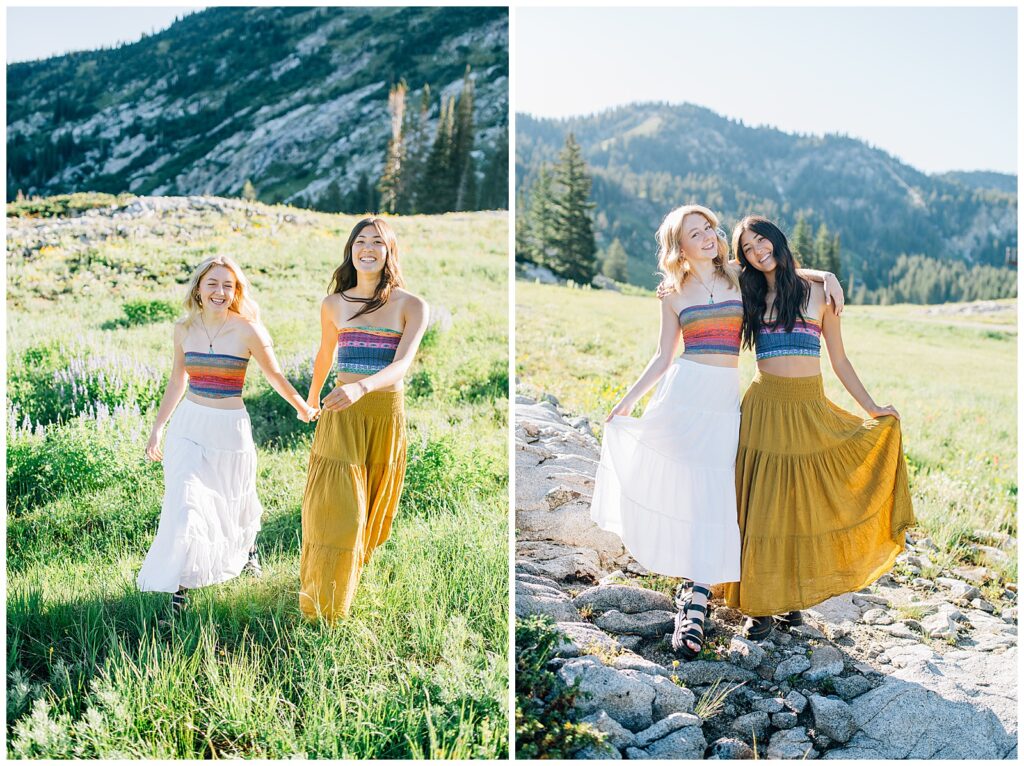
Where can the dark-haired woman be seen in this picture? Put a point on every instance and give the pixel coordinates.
(370, 330)
(822, 494)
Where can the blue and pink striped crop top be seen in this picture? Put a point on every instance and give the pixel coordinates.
(804, 340)
(712, 328)
(366, 350)
(215, 376)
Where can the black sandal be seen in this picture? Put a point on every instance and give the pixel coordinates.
(789, 620)
(252, 565)
(179, 601)
(758, 628)
(691, 628)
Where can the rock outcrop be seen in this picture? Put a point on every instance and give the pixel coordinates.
(903, 669)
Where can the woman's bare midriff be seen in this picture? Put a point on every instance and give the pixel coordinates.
(791, 366)
(225, 403)
(712, 360)
(352, 377)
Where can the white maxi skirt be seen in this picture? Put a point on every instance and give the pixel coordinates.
(211, 514)
(666, 483)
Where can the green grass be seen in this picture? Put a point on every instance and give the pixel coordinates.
(952, 377)
(418, 670)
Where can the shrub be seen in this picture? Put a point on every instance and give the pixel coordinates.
(443, 474)
(55, 385)
(148, 312)
(63, 205)
(546, 721)
(95, 450)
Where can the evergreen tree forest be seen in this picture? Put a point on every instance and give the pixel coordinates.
(555, 227)
(439, 175)
(844, 205)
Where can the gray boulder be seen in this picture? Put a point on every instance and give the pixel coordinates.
(833, 717)
(670, 698)
(770, 705)
(623, 598)
(730, 749)
(581, 638)
(625, 698)
(745, 653)
(616, 735)
(796, 702)
(664, 727)
(851, 687)
(646, 624)
(784, 720)
(704, 672)
(792, 667)
(686, 744)
(826, 661)
(752, 726)
(532, 598)
(791, 745)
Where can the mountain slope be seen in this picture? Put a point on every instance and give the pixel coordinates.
(648, 158)
(292, 99)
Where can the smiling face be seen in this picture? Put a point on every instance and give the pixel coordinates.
(217, 289)
(699, 240)
(758, 251)
(369, 250)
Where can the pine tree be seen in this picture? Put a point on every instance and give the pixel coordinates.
(416, 146)
(249, 191)
(574, 250)
(524, 246)
(616, 262)
(463, 170)
(391, 183)
(822, 245)
(801, 244)
(494, 189)
(543, 220)
(834, 260)
(332, 201)
(438, 190)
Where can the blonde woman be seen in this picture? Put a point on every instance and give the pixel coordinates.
(370, 328)
(210, 514)
(666, 480)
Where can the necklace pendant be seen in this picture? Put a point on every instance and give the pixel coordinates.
(211, 348)
(711, 299)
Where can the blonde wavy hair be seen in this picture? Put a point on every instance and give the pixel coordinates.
(242, 304)
(673, 266)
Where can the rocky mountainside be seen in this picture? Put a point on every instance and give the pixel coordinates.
(291, 99)
(648, 158)
(907, 668)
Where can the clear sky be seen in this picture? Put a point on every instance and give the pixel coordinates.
(36, 33)
(935, 87)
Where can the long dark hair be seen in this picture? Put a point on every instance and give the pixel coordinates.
(390, 276)
(791, 292)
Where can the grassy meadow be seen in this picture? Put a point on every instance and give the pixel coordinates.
(419, 670)
(951, 376)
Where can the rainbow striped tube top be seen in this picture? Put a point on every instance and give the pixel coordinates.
(805, 340)
(215, 376)
(366, 350)
(712, 328)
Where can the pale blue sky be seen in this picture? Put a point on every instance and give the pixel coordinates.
(936, 87)
(36, 33)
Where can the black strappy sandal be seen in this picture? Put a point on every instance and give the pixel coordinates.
(789, 620)
(179, 601)
(758, 628)
(252, 565)
(691, 629)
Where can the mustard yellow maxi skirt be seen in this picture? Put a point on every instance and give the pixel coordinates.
(822, 497)
(356, 471)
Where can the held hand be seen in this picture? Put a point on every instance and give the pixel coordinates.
(834, 293)
(307, 414)
(878, 412)
(153, 451)
(343, 396)
(622, 408)
(665, 289)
